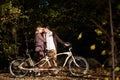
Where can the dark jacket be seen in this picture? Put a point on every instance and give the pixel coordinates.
(57, 39)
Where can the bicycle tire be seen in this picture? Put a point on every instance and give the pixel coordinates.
(15, 71)
(82, 69)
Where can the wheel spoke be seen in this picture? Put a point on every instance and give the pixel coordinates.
(81, 70)
(15, 70)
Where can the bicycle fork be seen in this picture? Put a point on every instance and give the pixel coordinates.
(69, 55)
(75, 61)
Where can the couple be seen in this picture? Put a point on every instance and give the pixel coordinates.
(45, 39)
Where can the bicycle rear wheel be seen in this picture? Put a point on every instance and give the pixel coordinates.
(81, 68)
(15, 71)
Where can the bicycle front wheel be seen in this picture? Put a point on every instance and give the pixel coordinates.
(79, 67)
(15, 71)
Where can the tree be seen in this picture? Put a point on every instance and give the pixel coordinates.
(85, 21)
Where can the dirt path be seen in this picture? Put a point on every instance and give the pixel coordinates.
(7, 76)
(64, 75)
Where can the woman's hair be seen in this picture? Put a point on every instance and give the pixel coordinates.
(37, 29)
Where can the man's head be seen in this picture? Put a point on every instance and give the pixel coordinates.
(46, 29)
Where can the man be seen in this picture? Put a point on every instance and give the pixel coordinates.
(51, 43)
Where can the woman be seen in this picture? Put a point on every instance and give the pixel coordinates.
(39, 43)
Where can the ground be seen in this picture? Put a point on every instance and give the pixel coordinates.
(97, 74)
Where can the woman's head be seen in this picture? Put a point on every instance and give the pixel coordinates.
(39, 29)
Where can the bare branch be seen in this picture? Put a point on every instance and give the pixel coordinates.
(105, 32)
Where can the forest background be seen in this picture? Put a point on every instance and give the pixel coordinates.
(84, 23)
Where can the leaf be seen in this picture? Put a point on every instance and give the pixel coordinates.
(93, 47)
(80, 36)
(117, 69)
(103, 52)
(99, 32)
(118, 6)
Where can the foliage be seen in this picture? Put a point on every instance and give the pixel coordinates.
(86, 22)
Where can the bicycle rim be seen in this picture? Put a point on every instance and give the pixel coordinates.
(79, 70)
(15, 71)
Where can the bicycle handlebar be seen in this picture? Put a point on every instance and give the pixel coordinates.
(70, 48)
(69, 45)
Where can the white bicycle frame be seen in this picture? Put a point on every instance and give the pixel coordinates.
(47, 60)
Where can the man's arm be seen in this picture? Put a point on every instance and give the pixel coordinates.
(58, 39)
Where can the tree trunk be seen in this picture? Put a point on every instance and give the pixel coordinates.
(112, 42)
